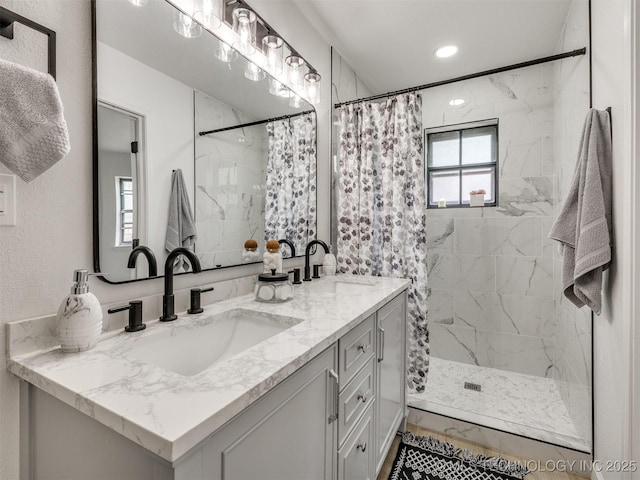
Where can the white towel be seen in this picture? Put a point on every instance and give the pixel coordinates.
(181, 226)
(33, 132)
(583, 226)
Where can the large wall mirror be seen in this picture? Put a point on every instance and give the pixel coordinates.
(244, 144)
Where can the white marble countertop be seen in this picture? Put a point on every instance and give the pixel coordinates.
(168, 413)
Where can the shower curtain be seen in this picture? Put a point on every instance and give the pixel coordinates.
(381, 207)
(290, 205)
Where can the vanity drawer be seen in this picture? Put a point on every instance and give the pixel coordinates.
(354, 400)
(356, 348)
(356, 456)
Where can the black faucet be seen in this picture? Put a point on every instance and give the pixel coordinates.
(167, 299)
(307, 251)
(151, 258)
(291, 246)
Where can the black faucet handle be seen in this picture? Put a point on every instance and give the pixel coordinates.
(135, 315)
(194, 304)
(296, 276)
(316, 270)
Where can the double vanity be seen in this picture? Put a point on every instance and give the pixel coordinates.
(312, 388)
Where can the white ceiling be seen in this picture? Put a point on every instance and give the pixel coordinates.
(390, 43)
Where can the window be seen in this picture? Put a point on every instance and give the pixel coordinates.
(462, 158)
(124, 211)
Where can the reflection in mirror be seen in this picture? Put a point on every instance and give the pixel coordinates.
(159, 89)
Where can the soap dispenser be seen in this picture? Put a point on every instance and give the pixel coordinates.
(329, 263)
(79, 318)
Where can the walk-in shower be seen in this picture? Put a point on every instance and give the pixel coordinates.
(508, 352)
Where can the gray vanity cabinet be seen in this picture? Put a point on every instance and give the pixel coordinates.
(287, 433)
(390, 408)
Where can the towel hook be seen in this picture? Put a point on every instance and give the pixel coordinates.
(8, 18)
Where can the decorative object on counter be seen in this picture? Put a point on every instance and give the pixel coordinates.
(476, 198)
(33, 131)
(272, 258)
(418, 456)
(181, 226)
(79, 318)
(329, 263)
(273, 287)
(292, 247)
(307, 255)
(168, 309)
(135, 315)
(251, 253)
(442, 203)
(195, 297)
(148, 253)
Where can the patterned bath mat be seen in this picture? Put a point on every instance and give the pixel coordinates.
(426, 458)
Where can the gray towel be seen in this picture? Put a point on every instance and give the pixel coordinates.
(181, 227)
(33, 132)
(583, 226)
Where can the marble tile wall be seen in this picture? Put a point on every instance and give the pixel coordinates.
(491, 269)
(230, 177)
(573, 368)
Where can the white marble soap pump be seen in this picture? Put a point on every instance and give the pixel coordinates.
(79, 318)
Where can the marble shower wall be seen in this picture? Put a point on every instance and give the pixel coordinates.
(230, 175)
(491, 268)
(572, 328)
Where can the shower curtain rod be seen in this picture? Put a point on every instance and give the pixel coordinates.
(258, 122)
(529, 63)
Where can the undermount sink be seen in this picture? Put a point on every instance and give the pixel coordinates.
(189, 351)
(331, 285)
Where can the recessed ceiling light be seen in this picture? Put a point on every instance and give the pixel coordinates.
(456, 102)
(446, 51)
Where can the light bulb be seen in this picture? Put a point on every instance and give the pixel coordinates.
(210, 13)
(295, 101)
(225, 53)
(446, 51)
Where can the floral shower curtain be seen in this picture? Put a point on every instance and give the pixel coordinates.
(381, 207)
(290, 206)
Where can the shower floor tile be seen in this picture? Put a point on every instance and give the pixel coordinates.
(522, 404)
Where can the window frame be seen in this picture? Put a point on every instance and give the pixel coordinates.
(121, 211)
(460, 168)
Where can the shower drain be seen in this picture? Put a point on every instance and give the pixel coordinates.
(472, 386)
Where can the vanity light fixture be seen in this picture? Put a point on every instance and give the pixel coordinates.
(295, 71)
(253, 72)
(272, 47)
(278, 89)
(295, 101)
(446, 51)
(186, 26)
(456, 102)
(244, 24)
(312, 86)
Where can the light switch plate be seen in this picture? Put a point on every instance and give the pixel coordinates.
(7, 200)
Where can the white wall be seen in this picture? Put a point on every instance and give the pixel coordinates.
(54, 232)
(612, 81)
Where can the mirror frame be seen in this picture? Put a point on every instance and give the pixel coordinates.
(95, 174)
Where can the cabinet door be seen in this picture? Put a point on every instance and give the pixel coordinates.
(391, 381)
(357, 455)
(287, 434)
